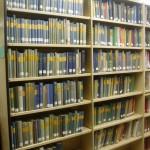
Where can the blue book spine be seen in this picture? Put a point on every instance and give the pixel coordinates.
(83, 69)
(70, 69)
(50, 95)
(55, 94)
(41, 94)
(40, 64)
(95, 59)
(35, 31)
(44, 64)
(74, 62)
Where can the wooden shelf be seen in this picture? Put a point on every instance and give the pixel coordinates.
(147, 91)
(147, 48)
(147, 134)
(136, 1)
(147, 94)
(147, 70)
(117, 72)
(117, 122)
(117, 96)
(45, 13)
(117, 22)
(146, 115)
(85, 102)
(122, 143)
(85, 131)
(35, 45)
(117, 47)
(48, 77)
(147, 26)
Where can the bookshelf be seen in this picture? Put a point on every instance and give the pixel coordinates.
(86, 138)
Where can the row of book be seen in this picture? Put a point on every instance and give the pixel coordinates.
(117, 134)
(147, 59)
(147, 124)
(147, 144)
(147, 104)
(113, 85)
(73, 7)
(115, 60)
(57, 146)
(32, 96)
(115, 110)
(147, 36)
(147, 9)
(118, 11)
(32, 63)
(116, 36)
(147, 81)
(28, 132)
(50, 31)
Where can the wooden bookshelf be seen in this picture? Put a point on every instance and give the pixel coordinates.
(147, 134)
(31, 112)
(117, 122)
(122, 143)
(85, 139)
(48, 14)
(117, 96)
(49, 77)
(118, 22)
(118, 72)
(85, 131)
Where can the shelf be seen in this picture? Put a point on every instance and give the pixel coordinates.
(147, 94)
(117, 47)
(117, 22)
(48, 77)
(122, 143)
(117, 72)
(147, 91)
(147, 26)
(117, 122)
(146, 115)
(147, 70)
(35, 45)
(136, 1)
(147, 134)
(85, 131)
(85, 102)
(117, 96)
(147, 48)
(45, 13)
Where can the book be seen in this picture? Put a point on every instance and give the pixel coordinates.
(147, 36)
(117, 11)
(72, 7)
(147, 81)
(50, 31)
(32, 96)
(115, 60)
(114, 110)
(147, 12)
(110, 35)
(34, 63)
(106, 86)
(56, 146)
(147, 104)
(147, 144)
(33, 131)
(147, 59)
(147, 124)
(116, 134)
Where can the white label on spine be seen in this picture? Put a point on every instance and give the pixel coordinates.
(41, 104)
